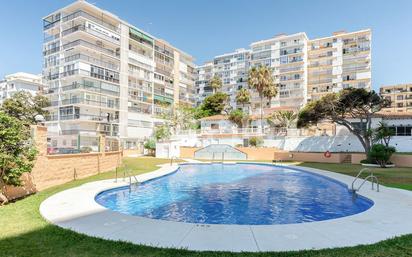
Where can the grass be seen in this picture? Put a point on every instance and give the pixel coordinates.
(393, 177)
(23, 232)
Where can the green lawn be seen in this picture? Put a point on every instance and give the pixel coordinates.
(23, 232)
(394, 177)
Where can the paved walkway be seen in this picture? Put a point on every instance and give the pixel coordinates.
(77, 210)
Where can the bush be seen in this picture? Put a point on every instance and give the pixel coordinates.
(86, 149)
(150, 145)
(381, 154)
(255, 141)
(162, 132)
(238, 117)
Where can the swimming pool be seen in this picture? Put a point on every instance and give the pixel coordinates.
(244, 194)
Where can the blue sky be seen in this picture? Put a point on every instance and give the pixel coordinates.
(208, 28)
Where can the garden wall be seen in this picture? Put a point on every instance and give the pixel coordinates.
(52, 170)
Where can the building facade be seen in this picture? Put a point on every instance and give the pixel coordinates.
(287, 56)
(20, 81)
(107, 77)
(400, 97)
(303, 69)
(204, 75)
(339, 61)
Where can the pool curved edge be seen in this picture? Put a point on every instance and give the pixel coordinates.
(76, 209)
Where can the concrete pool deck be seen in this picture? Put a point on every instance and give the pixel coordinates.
(76, 209)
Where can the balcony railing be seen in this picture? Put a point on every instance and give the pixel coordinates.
(92, 18)
(82, 27)
(90, 87)
(91, 60)
(236, 131)
(88, 73)
(82, 117)
(79, 100)
(84, 43)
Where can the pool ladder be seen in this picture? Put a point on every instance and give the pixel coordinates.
(126, 172)
(373, 179)
(173, 158)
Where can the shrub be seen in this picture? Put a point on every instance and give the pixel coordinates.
(381, 154)
(238, 117)
(255, 141)
(150, 145)
(17, 152)
(162, 132)
(86, 149)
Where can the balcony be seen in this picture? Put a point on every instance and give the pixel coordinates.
(90, 74)
(51, 51)
(82, 100)
(90, 87)
(92, 18)
(92, 60)
(84, 43)
(83, 117)
(82, 27)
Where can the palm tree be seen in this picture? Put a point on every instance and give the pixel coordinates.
(216, 83)
(284, 118)
(243, 97)
(260, 78)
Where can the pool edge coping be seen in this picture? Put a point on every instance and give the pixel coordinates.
(76, 219)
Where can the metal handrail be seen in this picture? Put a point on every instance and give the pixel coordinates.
(171, 160)
(130, 175)
(373, 180)
(372, 177)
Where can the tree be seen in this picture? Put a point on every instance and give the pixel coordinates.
(383, 134)
(17, 152)
(150, 145)
(238, 117)
(216, 83)
(286, 119)
(215, 104)
(162, 132)
(255, 141)
(351, 103)
(24, 106)
(261, 80)
(181, 117)
(243, 97)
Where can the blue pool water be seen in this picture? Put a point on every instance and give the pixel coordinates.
(250, 194)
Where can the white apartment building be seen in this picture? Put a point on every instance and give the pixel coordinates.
(339, 61)
(287, 56)
(232, 68)
(20, 81)
(107, 77)
(204, 75)
(306, 69)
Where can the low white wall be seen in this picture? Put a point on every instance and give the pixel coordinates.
(168, 149)
(340, 143)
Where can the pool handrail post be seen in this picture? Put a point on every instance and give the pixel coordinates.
(371, 176)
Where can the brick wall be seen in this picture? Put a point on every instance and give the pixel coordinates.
(52, 170)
